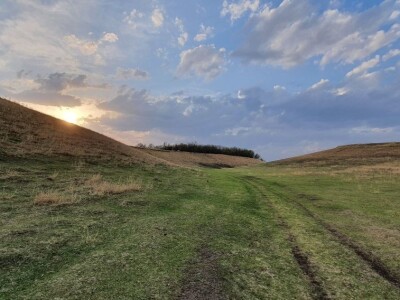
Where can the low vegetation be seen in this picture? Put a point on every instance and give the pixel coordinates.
(98, 222)
(261, 232)
(54, 198)
(196, 148)
(100, 187)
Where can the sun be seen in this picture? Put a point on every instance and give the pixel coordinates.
(70, 117)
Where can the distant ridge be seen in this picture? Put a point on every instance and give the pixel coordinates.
(26, 133)
(349, 154)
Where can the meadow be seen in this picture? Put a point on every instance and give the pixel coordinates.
(72, 230)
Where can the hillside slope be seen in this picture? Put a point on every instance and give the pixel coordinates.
(350, 154)
(28, 133)
(202, 159)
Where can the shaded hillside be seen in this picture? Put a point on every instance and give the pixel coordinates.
(27, 133)
(349, 154)
(202, 159)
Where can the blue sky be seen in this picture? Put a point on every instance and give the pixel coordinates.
(280, 77)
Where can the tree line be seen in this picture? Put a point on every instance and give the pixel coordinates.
(214, 149)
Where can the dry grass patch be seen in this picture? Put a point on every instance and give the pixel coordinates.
(54, 198)
(9, 174)
(100, 187)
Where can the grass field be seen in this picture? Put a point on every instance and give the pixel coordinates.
(157, 232)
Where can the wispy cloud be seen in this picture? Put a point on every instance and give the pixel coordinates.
(236, 10)
(132, 74)
(295, 31)
(364, 67)
(157, 17)
(204, 61)
(204, 33)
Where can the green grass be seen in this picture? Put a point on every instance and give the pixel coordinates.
(141, 244)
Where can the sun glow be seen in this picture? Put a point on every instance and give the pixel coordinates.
(70, 117)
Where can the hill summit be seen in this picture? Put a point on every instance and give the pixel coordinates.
(349, 154)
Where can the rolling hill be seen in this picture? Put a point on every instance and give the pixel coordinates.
(28, 133)
(281, 230)
(357, 154)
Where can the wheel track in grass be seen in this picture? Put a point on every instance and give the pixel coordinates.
(318, 291)
(202, 279)
(374, 262)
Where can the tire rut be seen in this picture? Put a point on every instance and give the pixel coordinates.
(374, 262)
(202, 278)
(318, 291)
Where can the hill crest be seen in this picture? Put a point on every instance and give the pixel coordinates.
(28, 133)
(348, 154)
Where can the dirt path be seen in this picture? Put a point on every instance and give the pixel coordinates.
(202, 278)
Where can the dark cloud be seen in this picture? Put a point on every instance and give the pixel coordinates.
(22, 73)
(61, 81)
(313, 119)
(48, 98)
(136, 74)
(53, 89)
(178, 113)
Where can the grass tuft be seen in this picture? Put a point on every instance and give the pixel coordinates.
(54, 198)
(100, 187)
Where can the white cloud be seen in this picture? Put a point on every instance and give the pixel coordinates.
(392, 53)
(30, 39)
(394, 15)
(182, 39)
(183, 36)
(205, 33)
(319, 84)
(133, 18)
(42, 36)
(84, 46)
(203, 61)
(132, 74)
(390, 69)
(341, 91)
(279, 88)
(236, 10)
(157, 17)
(109, 37)
(162, 53)
(88, 47)
(295, 31)
(365, 66)
(240, 95)
(371, 130)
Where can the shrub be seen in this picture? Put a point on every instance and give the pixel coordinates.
(194, 147)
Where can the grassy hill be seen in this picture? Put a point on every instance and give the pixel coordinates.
(357, 154)
(324, 227)
(27, 133)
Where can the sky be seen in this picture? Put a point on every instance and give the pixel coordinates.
(280, 77)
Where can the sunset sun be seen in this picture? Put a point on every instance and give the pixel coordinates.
(70, 117)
